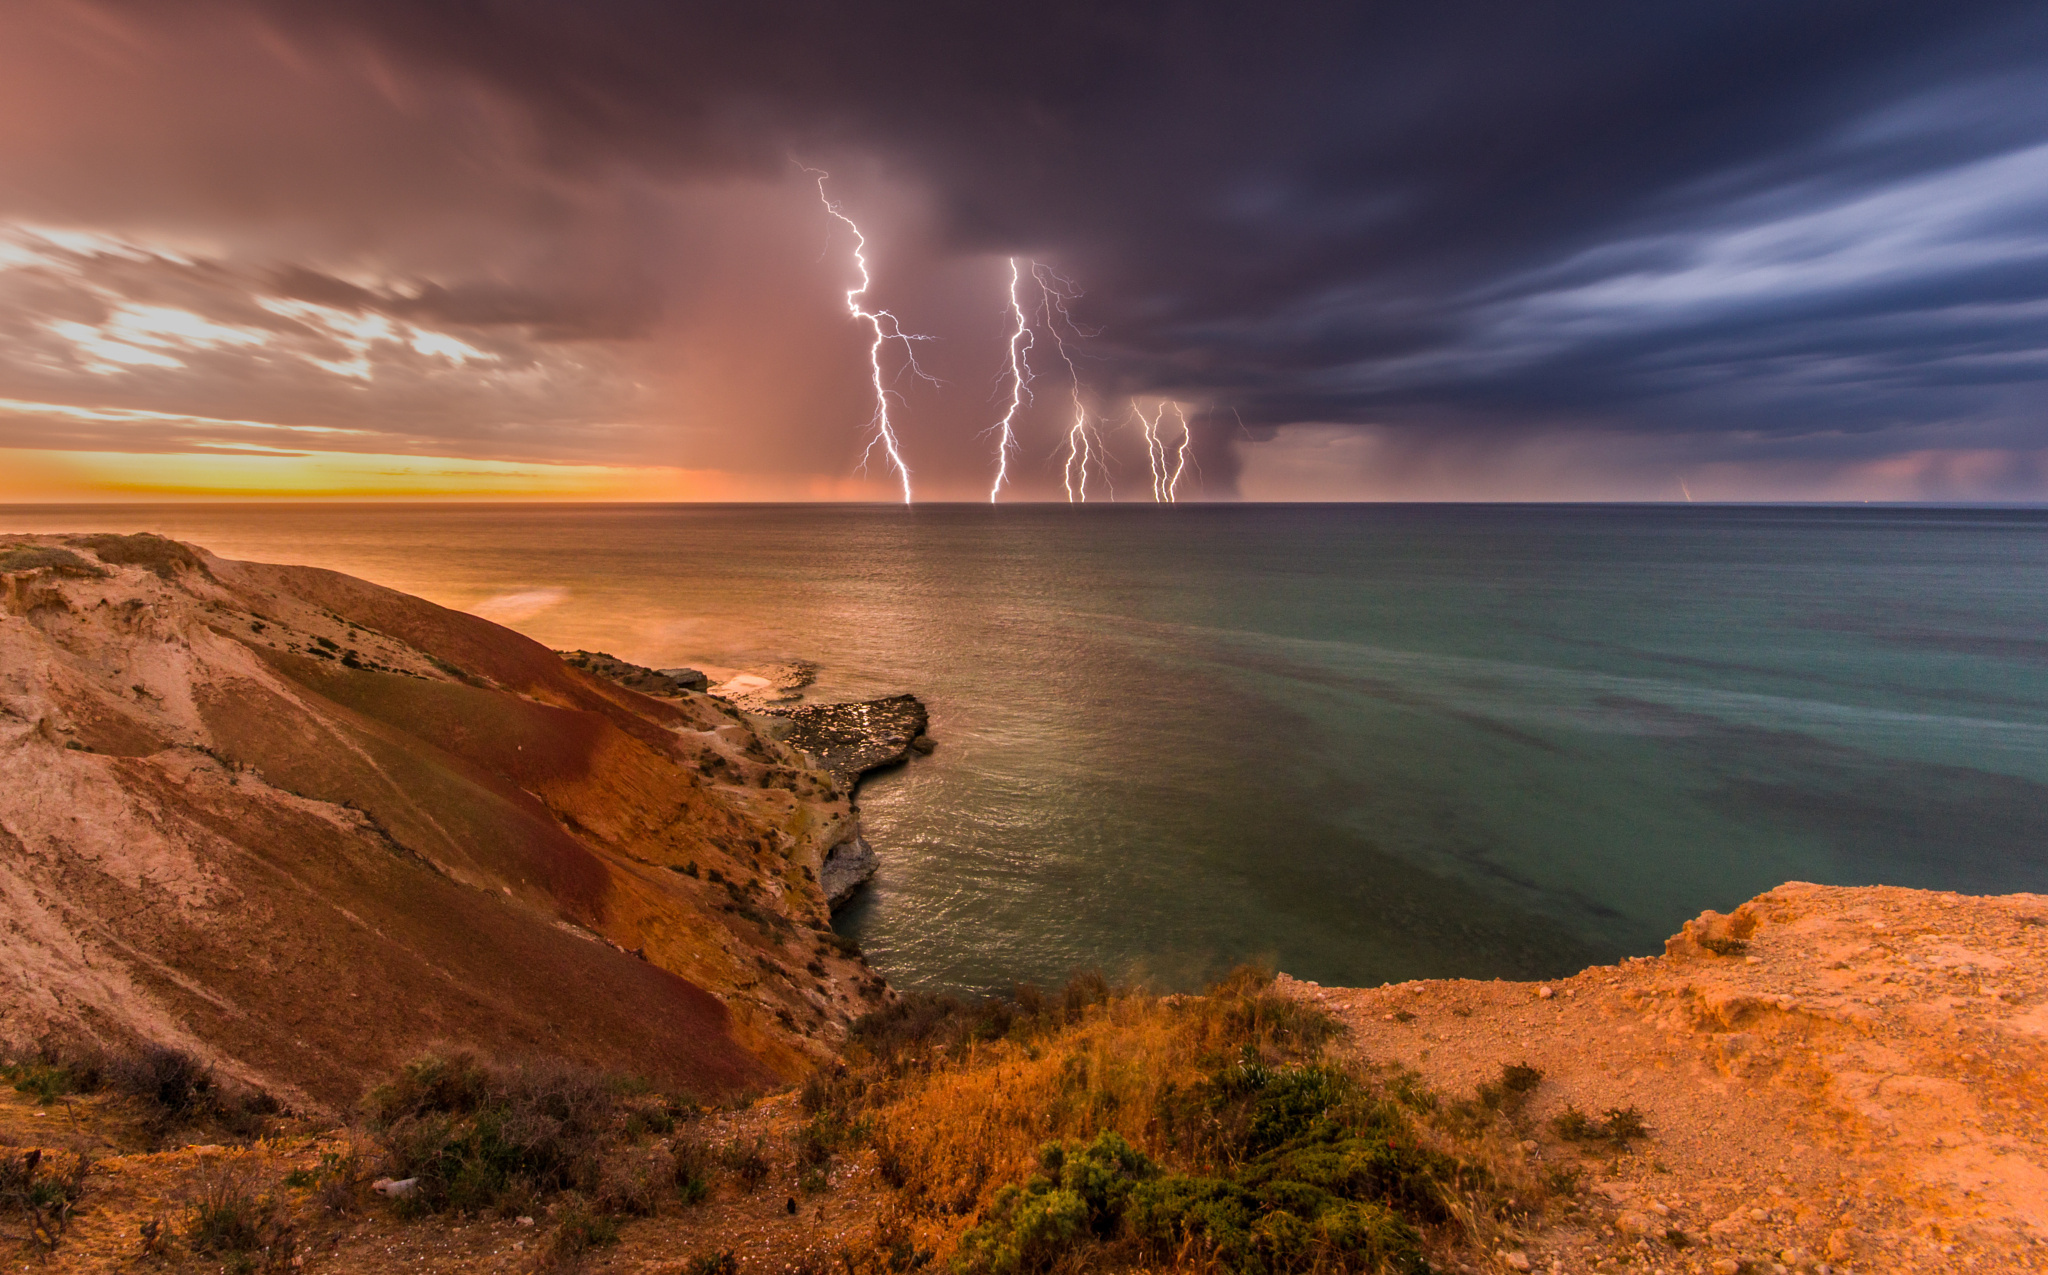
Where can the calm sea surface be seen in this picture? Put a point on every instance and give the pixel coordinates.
(1361, 742)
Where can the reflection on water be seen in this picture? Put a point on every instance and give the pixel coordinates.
(1361, 742)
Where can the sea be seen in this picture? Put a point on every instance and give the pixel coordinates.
(1357, 743)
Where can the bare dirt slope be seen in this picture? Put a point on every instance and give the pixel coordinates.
(1845, 1079)
(305, 827)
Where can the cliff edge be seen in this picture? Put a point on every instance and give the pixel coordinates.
(1827, 1079)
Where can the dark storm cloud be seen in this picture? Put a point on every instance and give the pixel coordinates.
(1513, 250)
(1764, 216)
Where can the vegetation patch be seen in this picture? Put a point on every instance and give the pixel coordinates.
(46, 558)
(473, 1137)
(145, 549)
(228, 1220)
(1092, 1129)
(43, 1189)
(171, 1090)
(1617, 1126)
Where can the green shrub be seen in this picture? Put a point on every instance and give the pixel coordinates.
(1617, 1125)
(747, 1163)
(693, 1164)
(46, 1082)
(44, 1188)
(826, 1134)
(481, 1137)
(580, 1230)
(1107, 1191)
(228, 1220)
(39, 557)
(1510, 1093)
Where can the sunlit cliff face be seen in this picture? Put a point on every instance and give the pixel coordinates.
(543, 251)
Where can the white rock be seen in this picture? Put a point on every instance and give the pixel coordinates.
(1545, 993)
(1515, 1261)
(396, 1190)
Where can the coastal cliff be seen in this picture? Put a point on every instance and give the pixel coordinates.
(305, 827)
(282, 829)
(1827, 1079)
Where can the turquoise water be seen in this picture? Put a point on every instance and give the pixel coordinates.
(1360, 742)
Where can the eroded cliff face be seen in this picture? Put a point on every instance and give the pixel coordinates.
(307, 827)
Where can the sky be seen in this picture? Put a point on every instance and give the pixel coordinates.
(1440, 251)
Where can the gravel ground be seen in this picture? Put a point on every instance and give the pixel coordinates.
(1834, 1080)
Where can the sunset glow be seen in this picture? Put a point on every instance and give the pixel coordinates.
(232, 471)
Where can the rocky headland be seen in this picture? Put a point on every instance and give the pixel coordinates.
(305, 827)
(846, 740)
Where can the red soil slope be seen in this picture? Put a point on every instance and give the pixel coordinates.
(309, 827)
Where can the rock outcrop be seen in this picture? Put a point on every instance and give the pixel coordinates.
(848, 866)
(307, 827)
(845, 741)
(665, 683)
(849, 740)
(1832, 1079)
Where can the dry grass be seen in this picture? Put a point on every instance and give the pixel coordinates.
(966, 1117)
(1101, 1130)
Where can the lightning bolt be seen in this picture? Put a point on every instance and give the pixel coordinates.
(886, 329)
(1021, 343)
(1180, 458)
(1155, 450)
(1083, 441)
(1169, 460)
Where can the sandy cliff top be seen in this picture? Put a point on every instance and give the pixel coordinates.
(1845, 1078)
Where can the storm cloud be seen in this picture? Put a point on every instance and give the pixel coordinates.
(1784, 248)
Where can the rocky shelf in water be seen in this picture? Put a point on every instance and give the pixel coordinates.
(849, 740)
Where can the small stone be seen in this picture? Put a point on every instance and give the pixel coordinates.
(525, 1221)
(1633, 1224)
(1841, 1245)
(1725, 1266)
(1661, 1210)
(1515, 1261)
(1545, 993)
(400, 1189)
